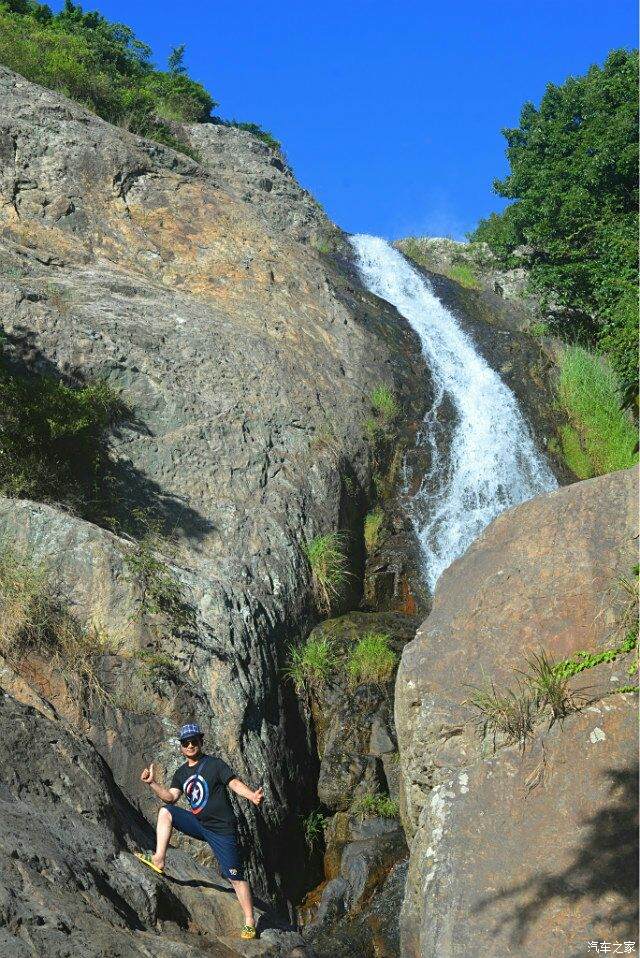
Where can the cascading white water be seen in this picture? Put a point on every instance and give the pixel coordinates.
(486, 460)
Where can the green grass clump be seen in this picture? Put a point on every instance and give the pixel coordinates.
(539, 330)
(313, 826)
(372, 527)
(588, 392)
(328, 562)
(157, 664)
(573, 453)
(464, 274)
(384, 403)
(376, 805)
(311, 663)
(549, 685)
(372, 659)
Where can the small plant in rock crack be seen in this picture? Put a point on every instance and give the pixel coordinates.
(549, 686)
(510, 713)
(313, 826)
(372, 660)
(311, 663)
(373, 523)
(376, 805)
(161, 594)
(384, 403)
(328, 563)
(157, 664)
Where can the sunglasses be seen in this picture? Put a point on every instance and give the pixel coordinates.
(189, 741)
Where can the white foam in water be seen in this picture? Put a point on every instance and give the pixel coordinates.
(485, 460)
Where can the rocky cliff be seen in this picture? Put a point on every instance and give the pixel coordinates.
(246, 359)
(519, 786)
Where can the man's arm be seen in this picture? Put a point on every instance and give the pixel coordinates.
(241, 789)
(167, 795)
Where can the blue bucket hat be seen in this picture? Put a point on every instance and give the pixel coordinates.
(188, 731)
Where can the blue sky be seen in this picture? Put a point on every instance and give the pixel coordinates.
(390, 113)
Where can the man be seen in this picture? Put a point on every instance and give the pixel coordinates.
(204, 780)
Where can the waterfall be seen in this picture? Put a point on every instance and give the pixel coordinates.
(482, 457)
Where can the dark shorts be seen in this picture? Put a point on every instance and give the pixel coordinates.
(224, 847)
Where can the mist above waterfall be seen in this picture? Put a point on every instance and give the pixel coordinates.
(482, 457)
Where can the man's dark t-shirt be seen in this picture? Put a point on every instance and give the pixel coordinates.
(205, 786)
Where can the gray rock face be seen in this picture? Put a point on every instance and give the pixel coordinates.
(69, 882)
(261, 176)
(238, 351)
(506, 846)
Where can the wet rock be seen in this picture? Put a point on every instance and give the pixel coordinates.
(372, 932)
(544, 575)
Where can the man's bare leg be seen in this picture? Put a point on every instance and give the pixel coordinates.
(243, 891)
(163, 834)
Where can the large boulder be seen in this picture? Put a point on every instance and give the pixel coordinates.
(247, 361)
(524, 849)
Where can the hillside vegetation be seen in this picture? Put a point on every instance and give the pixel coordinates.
(105, 67)
(573, 181)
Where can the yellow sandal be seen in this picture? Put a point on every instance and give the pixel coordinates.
(248, 932)
(145, 858)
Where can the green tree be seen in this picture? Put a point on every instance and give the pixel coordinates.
(573, 181)
(102, 65)
(175, 63)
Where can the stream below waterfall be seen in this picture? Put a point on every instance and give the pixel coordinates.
(481, 453)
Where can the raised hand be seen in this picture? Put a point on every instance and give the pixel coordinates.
(148, 775)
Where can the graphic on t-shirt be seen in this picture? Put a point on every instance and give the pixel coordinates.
(197, 792)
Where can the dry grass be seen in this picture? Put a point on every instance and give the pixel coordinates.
(34, 618)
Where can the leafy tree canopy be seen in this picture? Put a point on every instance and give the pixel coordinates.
(574, 184)
(102, 65)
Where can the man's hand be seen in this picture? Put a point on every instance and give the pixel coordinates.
(148, 775)
(257, 796)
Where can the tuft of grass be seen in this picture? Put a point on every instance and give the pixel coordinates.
(313, 826)
(549, 686)
(589, 393)
(510, 712)
(157, 664)
(372, 527)
(34, 618)
(311, 663)
(328, 563)
(384, 403)
(375, 805)
(539, 330)
(464, 274)
(161, 594)
(372, 659)
(53, 439)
